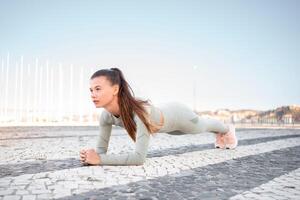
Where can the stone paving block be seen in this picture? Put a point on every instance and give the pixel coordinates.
(44, 196)
(12, 197)
(4, 183)
(22, 192)
(17, 187)
(58, 173)
(7, 191)
(40, 191)
(282, 187)
(29, 197)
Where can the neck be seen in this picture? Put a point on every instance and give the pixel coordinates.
(113, 107)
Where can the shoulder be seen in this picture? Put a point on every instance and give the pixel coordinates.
(148, 109)
(105, 118)
(147, 106)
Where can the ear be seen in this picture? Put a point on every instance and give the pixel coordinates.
(115, 89)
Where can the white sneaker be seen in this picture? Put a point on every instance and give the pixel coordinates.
(230, 138)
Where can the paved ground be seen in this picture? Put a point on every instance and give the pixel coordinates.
(43, 163)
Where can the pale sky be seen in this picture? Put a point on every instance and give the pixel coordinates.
(246, 52)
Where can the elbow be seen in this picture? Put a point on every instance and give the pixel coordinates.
(141, 160)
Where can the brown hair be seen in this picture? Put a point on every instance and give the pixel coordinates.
(127, 102)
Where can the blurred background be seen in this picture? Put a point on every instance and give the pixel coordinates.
(227, 59)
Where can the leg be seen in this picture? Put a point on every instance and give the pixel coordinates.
(225, 133)
(215, 125)
(189, 122)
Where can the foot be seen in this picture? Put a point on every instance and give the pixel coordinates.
(230, 138)
(220, 142)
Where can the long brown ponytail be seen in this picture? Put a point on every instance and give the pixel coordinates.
(128, 104)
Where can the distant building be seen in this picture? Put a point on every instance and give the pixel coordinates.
(268, 119)
(236, 118)
(287, 119)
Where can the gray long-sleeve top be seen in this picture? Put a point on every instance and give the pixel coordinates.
(171, 113)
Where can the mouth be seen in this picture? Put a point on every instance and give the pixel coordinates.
(95, 101)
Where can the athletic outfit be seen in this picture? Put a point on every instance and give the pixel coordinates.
(178, 119)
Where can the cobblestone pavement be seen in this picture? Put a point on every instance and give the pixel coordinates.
(43, 163)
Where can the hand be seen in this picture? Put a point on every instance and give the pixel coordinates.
(89, 156)
(82, 156)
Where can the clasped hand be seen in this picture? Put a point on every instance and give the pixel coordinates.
(89, 156)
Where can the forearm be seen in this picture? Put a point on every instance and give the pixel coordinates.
(103, 139)
(122, 159)
(137, 157)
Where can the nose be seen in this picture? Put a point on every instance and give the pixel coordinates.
(93, 95)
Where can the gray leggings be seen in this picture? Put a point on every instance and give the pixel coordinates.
(180, 119)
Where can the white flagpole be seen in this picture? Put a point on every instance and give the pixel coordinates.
(91, 106)
(2, 86)
(60, 93)
(35, 91)
(16, 94)
(40, 107)
(195, 88)
(52, 93)
(6, 87)
(21, 89)
(71, 93)
(29, 83)
(80, 94)
(47, 91)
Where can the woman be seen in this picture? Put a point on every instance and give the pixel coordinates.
(110, 90)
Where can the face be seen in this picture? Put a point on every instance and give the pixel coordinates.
(102, 92)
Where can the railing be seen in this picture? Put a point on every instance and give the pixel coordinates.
(260, 124)
(37, 91)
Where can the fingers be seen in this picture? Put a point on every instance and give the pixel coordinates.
(82, 151)
(83, 156)
(83, 161)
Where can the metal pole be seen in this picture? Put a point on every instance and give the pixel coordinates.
(28, 94)
(2, 86)
(195, 88)
(35, 96)
(71, 93)
(60, 107)
(6, 87)
(47, 91)
(40, 107)
(16, 94)
(21, 90)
